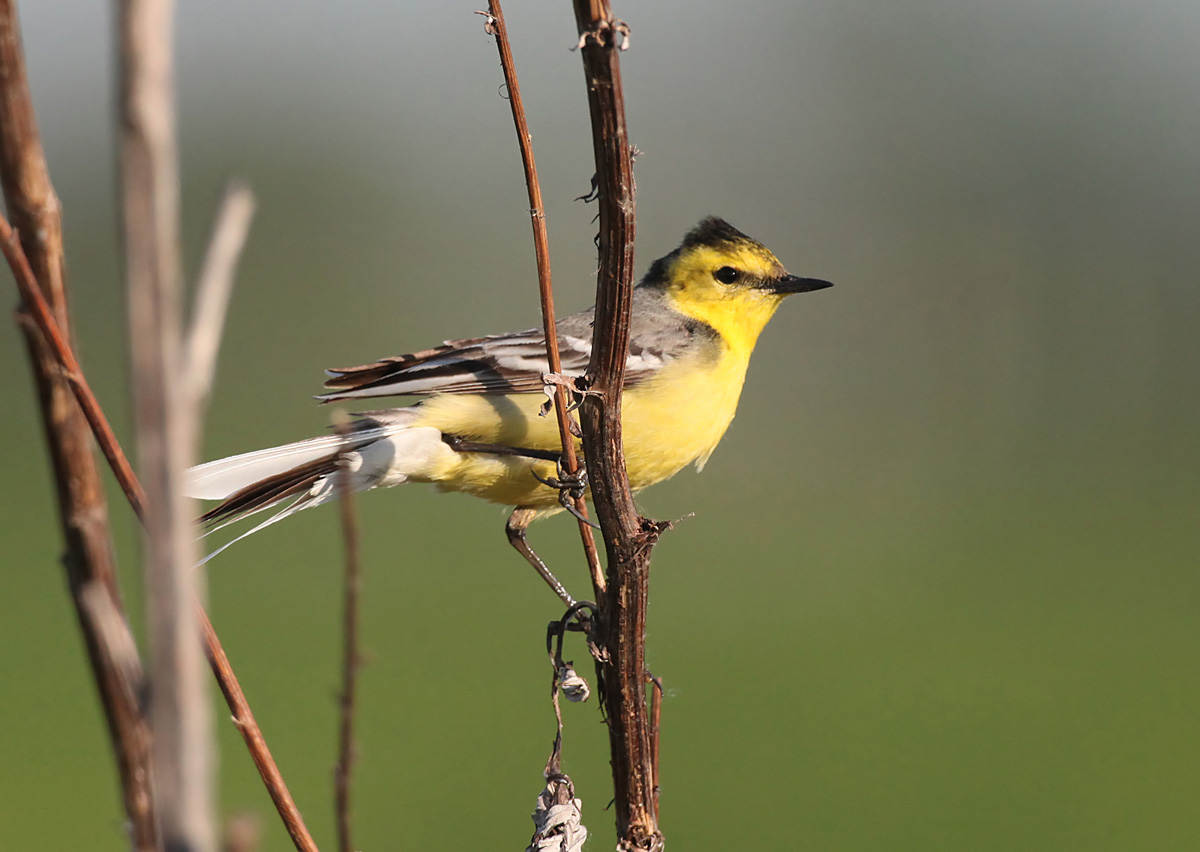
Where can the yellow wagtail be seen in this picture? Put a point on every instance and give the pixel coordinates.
(696, 317)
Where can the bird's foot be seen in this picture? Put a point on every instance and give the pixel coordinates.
(571, 488)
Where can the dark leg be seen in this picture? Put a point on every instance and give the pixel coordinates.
(460, 446)
(518, 522)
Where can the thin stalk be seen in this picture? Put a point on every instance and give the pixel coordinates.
(244, 719)
(541, 243)
(43, 318)
(184, 746)
(352, 583)
(38, 264)
(62, 360)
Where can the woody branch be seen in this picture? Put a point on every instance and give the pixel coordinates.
(628, 537)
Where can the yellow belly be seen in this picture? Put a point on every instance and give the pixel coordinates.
(669, 422)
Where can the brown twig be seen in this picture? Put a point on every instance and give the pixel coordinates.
(343, 769)
(212, 295)
(59, 374)
(43, 318)
(498, 28)
(243, 718)
(212, 292)
(628, 537)
(226, 679)
(656, 700)
(184, 744)
(83, 512)
(38, 257)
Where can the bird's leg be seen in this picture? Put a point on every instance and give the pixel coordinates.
(462, 446)
(518, 522)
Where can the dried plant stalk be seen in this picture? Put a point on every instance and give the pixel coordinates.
(541, 244)
(628, 537)
(83, 511)
(180, 711)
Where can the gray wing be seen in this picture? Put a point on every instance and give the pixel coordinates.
(515, 363)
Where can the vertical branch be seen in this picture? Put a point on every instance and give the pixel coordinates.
(83, 511)
(541, 244)
(180, 713)
(342, 771)
(627, 536)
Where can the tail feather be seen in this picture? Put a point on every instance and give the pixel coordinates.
(272, 489)
(301, 502)
(381, 449)
(221, 479)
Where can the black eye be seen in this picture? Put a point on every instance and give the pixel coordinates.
(727, 275)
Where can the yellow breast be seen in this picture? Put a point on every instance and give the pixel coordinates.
(679, 417)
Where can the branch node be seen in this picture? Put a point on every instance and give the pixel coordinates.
(578, 387)
(489, 23)
(605, 33)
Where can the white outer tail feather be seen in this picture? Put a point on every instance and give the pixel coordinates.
(220, 479)
(384, 454)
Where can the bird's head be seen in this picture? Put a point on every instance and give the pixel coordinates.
(724, 278)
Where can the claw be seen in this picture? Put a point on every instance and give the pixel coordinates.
(571, 487)
(569, 504)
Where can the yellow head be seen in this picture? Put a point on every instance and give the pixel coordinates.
(727, 280)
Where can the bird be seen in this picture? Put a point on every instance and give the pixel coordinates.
(478, 425)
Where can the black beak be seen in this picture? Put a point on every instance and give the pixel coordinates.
(792, 284)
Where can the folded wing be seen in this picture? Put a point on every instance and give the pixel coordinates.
(515, 363)
(502, 364)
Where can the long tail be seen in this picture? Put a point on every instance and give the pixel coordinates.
(381, 449)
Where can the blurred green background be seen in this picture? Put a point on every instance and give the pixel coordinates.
(940, 590)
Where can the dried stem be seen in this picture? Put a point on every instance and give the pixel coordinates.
(83, 512)
(498, 28)
(656, 700)
(343, 770)
(213, 288)
(243, 718)
(628, 537)
(37, 264)
(41, 316)
(59, 359)
(180, 709)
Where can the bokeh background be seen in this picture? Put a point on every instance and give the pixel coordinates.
(940, 590)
